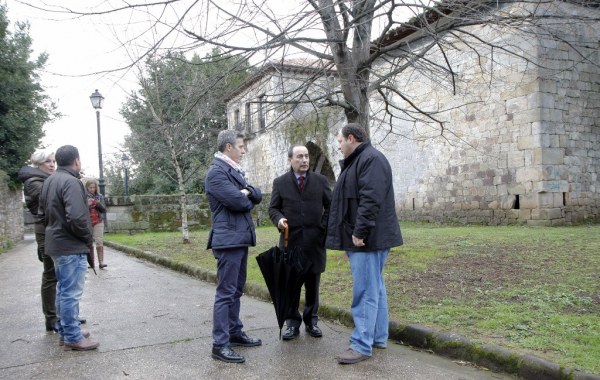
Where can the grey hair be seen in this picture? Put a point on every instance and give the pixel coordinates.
(39, 157)
(228, 136)
(291, 149)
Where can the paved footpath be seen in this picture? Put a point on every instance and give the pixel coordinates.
(154, 323)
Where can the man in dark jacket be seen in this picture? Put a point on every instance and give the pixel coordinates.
(231, 199)
(300, 202)
(63, 208)
(363, 222)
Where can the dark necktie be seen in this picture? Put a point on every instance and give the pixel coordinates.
(301, 182)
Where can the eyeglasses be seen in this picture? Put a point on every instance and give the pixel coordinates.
(50, 161)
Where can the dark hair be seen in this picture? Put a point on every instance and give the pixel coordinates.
(355, 130)
(228, 136)
(291, 149)
(66, 155)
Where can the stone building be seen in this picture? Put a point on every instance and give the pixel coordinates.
(520, 142)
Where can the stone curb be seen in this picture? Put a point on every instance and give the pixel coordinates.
(446, 344)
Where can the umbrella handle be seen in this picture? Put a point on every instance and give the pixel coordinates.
(286, 234)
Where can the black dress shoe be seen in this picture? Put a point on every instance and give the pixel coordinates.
(314, 331)
(290, 333)
(226, 354)
(244, 341)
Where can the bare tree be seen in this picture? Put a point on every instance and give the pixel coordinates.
(349, 38)
(173, 119)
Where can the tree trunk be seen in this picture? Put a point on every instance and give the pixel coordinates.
(360, 116)
(184, 219)
(351, 64)
(182, 196)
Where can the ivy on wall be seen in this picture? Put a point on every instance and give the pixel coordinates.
(312, 127)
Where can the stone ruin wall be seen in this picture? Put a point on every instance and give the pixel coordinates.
(266, 159)
(530, 154)
(521, 148)
(265, 153)
(11, 215)
(266, 156)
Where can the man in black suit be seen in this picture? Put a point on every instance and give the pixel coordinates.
(300, 202)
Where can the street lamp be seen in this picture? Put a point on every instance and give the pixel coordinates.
(97, 101)
(125, 160)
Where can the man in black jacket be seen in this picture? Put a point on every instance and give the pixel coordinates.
(63, 208)
(300, 201)
(363, 222)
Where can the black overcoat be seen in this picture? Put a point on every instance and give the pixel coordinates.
(306, 212)
(363, 203)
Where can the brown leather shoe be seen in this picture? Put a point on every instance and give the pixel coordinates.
(85, 344)
(61, 339)
(351, 357)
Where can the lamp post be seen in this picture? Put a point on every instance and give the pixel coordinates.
(125, 160)
(97, 101)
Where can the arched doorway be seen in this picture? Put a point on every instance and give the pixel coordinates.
(319, 162)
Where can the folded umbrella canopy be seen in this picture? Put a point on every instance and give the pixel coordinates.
(90, 259)
(282, 270)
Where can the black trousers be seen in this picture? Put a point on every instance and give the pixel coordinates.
(311, 283)
(48, 289)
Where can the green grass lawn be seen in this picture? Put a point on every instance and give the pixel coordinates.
(533, 290)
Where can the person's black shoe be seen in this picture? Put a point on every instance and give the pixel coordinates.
(290, 333)
(226, 354)
(314, 331)
(244, 341)
(82, 320)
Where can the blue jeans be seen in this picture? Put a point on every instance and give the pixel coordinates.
(70, 273)
(369, 300)
(232, 265)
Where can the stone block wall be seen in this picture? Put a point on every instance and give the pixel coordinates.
(519, 146)
(525, 150)
(520, 142)
(11, 215)
(141, 213)
(263, 99)
(266, 159)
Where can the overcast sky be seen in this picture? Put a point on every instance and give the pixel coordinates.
(77, 48)
(81, 49)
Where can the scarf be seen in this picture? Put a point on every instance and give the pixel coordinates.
(230, 162)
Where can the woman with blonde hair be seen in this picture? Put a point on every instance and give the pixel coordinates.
(97, 208)
(42, 166)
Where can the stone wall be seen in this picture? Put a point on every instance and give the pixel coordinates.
(141, 213)
(520, 142)
(519, 148)
(257, 112)
(11, 215)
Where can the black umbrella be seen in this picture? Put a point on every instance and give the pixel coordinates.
(282, 270)
(90, 259)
